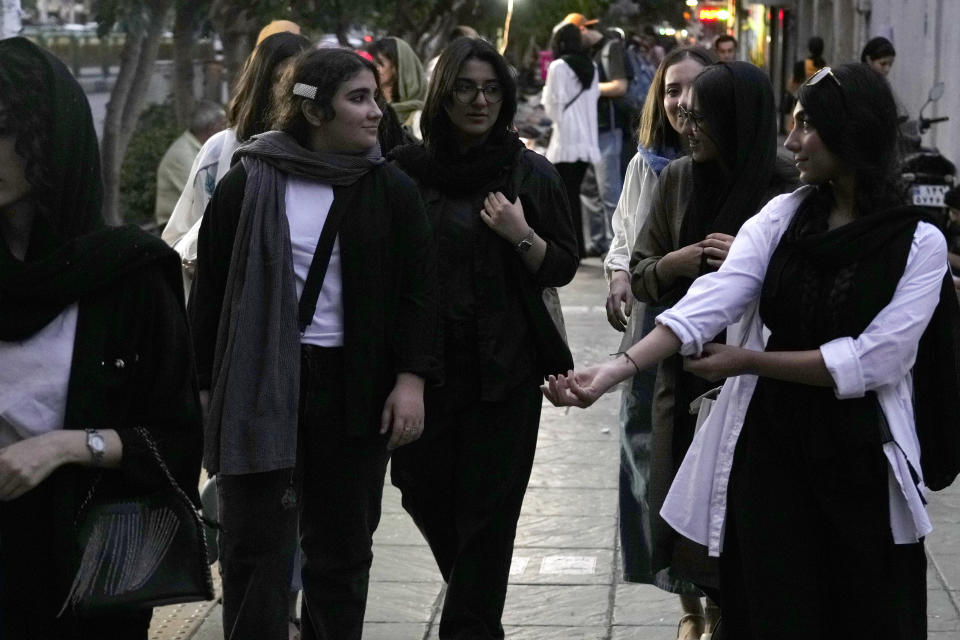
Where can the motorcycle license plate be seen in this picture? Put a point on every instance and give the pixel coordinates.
(929, 195)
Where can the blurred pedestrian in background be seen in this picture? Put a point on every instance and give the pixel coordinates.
(93, 344)
(247, 115)
(879, 54)
(208, 118)
(503, 231)
(570, 101)
(725, 48)
(814, 62)
(402, 81)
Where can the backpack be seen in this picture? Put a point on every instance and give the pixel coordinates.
(639, 78)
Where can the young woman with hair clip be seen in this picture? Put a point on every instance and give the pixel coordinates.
(94, 346)
(314, 322)
(403, 81)
(699, 203)
(806, 477)
(660, 142)
(247, 115)
(503, 232)
(570, 99)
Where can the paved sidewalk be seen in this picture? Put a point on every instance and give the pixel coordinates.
(565, 576)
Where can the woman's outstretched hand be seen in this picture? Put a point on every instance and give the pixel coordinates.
(719, 361)
(579, 388)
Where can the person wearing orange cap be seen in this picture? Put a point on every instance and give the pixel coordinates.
(278, 26)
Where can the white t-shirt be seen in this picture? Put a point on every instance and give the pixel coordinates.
(33, 379)
(308, 203)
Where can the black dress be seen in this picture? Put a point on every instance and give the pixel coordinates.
(808, 550)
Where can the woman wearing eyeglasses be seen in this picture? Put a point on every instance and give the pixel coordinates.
(699, 204)
(503, 231)
(806, 477)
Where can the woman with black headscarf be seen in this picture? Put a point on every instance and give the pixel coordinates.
(570, 99)
(93, 343)
(701, 200)
(808, 477)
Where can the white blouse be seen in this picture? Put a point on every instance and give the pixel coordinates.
(880, 359)
(575, 135)
(34, 375)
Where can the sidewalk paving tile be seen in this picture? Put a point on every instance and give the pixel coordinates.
(595, 532)
(548, 605)
(585, 476)
(403, 563)
(570, 502)
(599, 452)
(644, 633)
(645, 605)
(402, 601)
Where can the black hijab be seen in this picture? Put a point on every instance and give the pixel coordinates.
(71, 253)
(737, 101)
(582, 65)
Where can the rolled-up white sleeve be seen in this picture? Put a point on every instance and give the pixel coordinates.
(717, 300)
(886, 350)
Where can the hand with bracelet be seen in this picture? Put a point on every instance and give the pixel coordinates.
(27, 463)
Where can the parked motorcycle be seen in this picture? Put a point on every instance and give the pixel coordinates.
(926, 173)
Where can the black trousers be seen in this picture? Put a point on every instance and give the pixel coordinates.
(464, 487)
(808, 551)
(572, 175)
(334, 496)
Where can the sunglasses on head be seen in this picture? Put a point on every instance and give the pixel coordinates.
(820, 75)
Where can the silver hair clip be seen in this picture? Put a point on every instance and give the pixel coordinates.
(305, 91)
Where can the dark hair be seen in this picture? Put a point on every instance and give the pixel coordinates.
(952, 198)
(878, 47)
(567, 41)
(857, 121)
(387, 47)
(26, 113)
(249, 110)
(815, 47)
(435, 123)
(655, 131)
(325, 69)
(726, 37)
(799, 72)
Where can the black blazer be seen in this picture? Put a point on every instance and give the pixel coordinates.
(388, 267)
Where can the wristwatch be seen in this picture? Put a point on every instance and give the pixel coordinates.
(524, 245)
(97, 446)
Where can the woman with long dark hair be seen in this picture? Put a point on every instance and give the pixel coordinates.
(247, 115)
(806, 479)
(879, 54)
(700, 202)
(94, 345)
(660, 142)
(570, 99)
(503, 232)
(314, 319)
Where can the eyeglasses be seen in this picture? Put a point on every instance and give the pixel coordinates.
(695, 119)
(466, 92)
(820, 75)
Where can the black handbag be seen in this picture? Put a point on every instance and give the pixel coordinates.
(139, 552)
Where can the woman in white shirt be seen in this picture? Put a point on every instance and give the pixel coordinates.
(810, 495)
(570, 100)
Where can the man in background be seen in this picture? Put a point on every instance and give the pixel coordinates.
(725, 48)
(208, 118)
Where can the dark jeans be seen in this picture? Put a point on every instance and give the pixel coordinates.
(464, 489)
(340, 482)
(572, 175)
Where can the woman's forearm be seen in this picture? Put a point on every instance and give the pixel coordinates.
(654, 347)
(804, 367)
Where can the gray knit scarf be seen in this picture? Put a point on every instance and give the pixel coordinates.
(252, 424)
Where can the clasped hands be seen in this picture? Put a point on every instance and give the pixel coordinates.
(583, 387)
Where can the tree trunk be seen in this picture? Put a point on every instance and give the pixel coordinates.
(127, 99)
(184, 51)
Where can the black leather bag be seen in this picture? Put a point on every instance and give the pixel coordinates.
(139, 552)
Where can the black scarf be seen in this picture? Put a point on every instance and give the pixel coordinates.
(582, 65)
(71, 254)
(456, 174)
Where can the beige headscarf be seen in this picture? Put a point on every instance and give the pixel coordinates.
(411, 82)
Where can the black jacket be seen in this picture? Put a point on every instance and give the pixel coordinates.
(389, 290)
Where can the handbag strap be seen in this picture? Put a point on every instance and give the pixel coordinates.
(567, 106)
(318, 266)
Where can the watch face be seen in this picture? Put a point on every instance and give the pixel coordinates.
(96, 443)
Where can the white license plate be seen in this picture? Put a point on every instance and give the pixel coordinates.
(929, 195)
